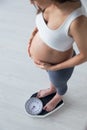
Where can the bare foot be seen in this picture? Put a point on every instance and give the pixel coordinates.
(52, 104)
(46, 92)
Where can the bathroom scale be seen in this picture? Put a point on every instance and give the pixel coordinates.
(34, 106)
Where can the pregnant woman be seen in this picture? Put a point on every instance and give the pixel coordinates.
(59, 23)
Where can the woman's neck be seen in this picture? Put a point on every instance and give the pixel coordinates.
(67, 6)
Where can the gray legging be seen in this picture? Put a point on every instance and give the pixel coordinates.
(59, 78)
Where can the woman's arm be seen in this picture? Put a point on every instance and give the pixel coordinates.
(78, 31)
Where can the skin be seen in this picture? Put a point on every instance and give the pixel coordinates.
(49, 59)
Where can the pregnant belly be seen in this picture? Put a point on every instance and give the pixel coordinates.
(40, 51)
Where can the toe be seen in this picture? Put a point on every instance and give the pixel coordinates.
(39, 94)
(45, 107)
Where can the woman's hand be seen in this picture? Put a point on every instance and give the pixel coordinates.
(29, 45)
(30, 40)
(44, 65)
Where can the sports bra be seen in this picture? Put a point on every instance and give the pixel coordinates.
(59, 38)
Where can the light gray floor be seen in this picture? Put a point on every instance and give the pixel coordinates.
(19, 77)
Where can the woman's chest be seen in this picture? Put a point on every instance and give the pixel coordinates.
(53, 22)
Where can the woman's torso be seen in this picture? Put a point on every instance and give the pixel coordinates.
(41, 51)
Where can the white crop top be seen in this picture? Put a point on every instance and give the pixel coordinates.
(58, 39)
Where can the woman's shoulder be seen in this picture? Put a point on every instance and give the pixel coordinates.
(80, 21)
(79, 24)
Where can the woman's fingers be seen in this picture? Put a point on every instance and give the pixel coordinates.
(29, 50)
